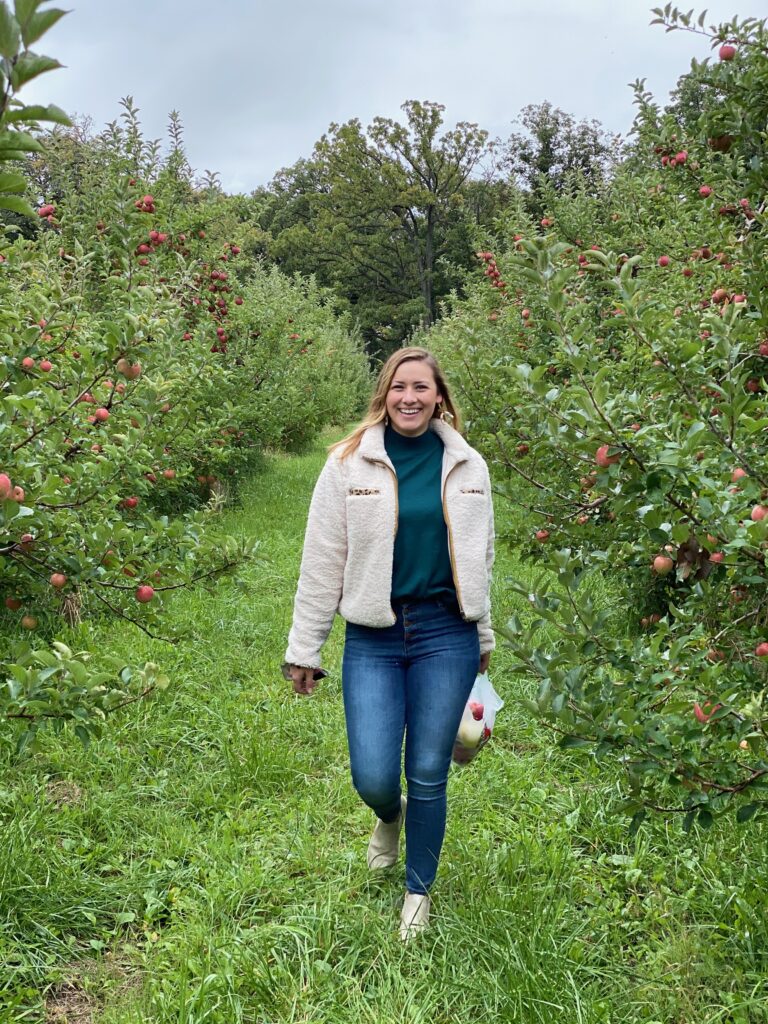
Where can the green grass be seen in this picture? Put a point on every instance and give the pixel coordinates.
(205, 861)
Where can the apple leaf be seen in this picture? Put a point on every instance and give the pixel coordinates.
(746, 811)
(29, 66)
(9, 32)
(38, 113)
(11, 182)
(17, 205)
(37, 24)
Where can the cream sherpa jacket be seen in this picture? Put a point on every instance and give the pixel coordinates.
(346, 565)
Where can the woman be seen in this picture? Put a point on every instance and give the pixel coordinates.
(399, 541)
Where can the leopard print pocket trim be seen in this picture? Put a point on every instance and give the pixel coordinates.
(359, 491)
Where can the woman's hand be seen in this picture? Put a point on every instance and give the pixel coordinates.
(303, 679)
(485, 661)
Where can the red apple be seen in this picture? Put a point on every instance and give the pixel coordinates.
(705, 712)
(738, 474)
(663, 261)
(28, 363)
(169, 474)
(726, 52)
(46, 365)
(716, 556)
(18, 494)
(144, 594)
(758, 513)
(662, 565)
(14, 603)
(6, 487)
(603, 459)
(542, 535)
(102, 415)
(29, 622)
(705, 191)
(58, 580)
(761, 650)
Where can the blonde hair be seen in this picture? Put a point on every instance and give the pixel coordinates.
(377, 407)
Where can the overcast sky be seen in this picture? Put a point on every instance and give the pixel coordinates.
(258, 82)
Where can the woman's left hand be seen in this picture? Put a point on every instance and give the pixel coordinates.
(485, 660)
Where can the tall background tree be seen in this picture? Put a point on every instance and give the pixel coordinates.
(382, 215)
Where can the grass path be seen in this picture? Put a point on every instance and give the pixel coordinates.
(205, 861)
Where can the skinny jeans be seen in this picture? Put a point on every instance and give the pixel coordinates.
(410, 680)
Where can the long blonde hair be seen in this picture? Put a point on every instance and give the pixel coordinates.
(377, 407)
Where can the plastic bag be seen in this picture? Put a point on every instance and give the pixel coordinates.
(477, 720)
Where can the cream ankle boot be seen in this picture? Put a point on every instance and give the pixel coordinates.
(414, 916)
(384, 846)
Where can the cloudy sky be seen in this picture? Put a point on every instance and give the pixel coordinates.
(257, 82)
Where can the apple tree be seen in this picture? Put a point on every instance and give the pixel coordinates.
(613, 365)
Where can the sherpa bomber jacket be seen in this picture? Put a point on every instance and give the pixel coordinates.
(346, 566)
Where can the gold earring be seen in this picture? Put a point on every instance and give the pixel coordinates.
(386, 419)
(441, 407)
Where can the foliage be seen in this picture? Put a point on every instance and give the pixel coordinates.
(552, 148)
(147, 359)
(377, 213)
(621, 386)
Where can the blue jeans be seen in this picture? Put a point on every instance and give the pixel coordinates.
(411, 679)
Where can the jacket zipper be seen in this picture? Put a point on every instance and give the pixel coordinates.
(397, 515)
(450, 542)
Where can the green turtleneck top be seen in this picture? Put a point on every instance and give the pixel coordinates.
(422, 562)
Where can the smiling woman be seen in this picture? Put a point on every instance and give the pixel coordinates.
(399, 541)
(412, 398)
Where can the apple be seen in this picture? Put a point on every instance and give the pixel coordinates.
(705, 191)
(102, 415)
(603, 459)
(738, 474)
(705, 712)
(726, 52)
(761, 650)
(662, 565)
(46, 365)
(716, 556)
(663, 261)
(123, 365)
(28, 363)
(14, 603)
(763, 350)
(6, 487)
(144, 594)
(542, 535)
(29, 622)
(169, 474)
(758, 513)
(131, 502)
(18, 494)
(58, 580)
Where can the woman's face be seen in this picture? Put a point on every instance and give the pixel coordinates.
(412, 398)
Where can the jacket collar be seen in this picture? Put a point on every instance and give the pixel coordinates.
(456, 448)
